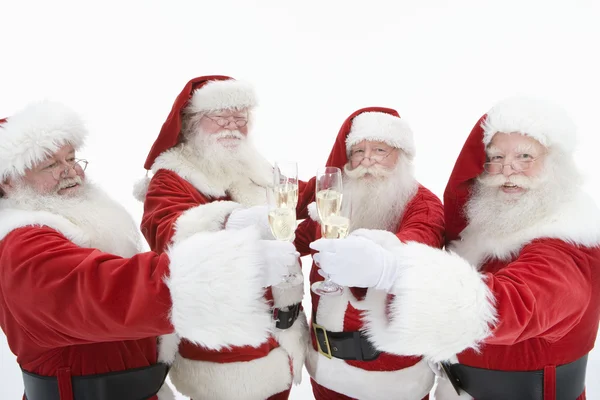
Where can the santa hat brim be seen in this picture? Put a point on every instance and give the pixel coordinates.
(382, 127)
(539, 119)
(223, 95)
(35, 133)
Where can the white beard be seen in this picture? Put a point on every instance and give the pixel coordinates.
(378, 202)
(240, 169)
(107, 223)
(490, 211)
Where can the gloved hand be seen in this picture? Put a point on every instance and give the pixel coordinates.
(279, 256)
(257, 216)
(356, 262)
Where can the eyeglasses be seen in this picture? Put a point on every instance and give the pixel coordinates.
(225, 121)
(58, 170)
(381, 154)
(519, 165)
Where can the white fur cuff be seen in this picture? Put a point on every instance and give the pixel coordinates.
(442, 306)
(216, 289)
(208, 217)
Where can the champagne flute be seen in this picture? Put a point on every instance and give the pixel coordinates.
(282, 221)
(286, 183)
(335, 218)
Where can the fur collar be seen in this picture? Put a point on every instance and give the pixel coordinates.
(576, 222)
(249, 190)
(11, 219)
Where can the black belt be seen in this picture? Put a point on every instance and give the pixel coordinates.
(488, 384)
(131, 384)
(344, 345)
(285, 317)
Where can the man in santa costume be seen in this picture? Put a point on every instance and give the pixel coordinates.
(518, 296)
(81, 309)
(209, 177)
(375, 149)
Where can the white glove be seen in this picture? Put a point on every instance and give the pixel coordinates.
(279, 256)
(257, 216)
(356, 262)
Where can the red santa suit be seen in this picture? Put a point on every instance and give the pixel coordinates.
(387, 376)
(528, 301)
(76, 300)
(182, 199)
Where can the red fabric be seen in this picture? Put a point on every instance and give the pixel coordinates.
(245, 353)
(468, 166)
(93, 312)
(546, 296)
(281, 395)
(550, 382)
(167, 198)
(65, 387)
(322, 393)
(169, 133)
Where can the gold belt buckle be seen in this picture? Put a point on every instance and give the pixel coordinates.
(317, 327)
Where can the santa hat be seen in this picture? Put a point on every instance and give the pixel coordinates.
(35, 133)
(371, 123)
(202, 94)
(383, 127)
(541, 120)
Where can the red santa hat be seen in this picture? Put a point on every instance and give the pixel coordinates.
(35, 133)
(371, 123)
(202, 94)
(539, 119)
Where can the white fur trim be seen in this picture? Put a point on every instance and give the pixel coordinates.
(165, 392)
(223, 95)
(385, 239)
(209, 217)
(542, 120)
(313, 213)
(36, 132)
(441, 307)
(576, 222)
(140, 188)
(409, 383)
(179, 161)
(168, 345)
(249, 192)
(216, 289)
(285, 295)
(249, 380)
(11, 219)
(382, 127)
(295, 341)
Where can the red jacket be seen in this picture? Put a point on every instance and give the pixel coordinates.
(175, 207)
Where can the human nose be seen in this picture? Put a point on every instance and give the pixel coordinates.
(507, 169)
(230, 123)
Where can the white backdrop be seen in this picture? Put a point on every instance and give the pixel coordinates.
(441, 64)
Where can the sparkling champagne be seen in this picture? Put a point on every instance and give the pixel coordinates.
(328, 203)
(335, 227)
(283, 223)
(286, 196)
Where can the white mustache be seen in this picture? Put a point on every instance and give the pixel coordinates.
(69, 182)
(375, 170)
(228, 135)
(499, 180)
